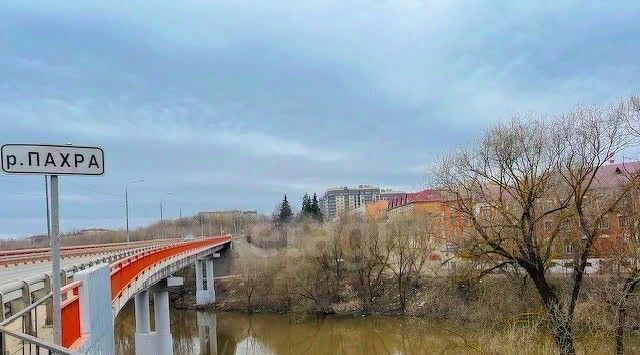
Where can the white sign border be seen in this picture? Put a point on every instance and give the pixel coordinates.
(48, 173)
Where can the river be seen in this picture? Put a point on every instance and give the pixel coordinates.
(273, 334)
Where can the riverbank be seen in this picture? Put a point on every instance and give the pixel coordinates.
(493, 301)
(497, 315)
(281, 334)
(318, 277)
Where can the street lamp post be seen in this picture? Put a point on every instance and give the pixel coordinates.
(162, 204)
(161, 211)
(126, 204)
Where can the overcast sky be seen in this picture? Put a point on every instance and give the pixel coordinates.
(230, 105)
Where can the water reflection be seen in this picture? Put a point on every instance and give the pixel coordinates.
(207, 332)
(234, 333)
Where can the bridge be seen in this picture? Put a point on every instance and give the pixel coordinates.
(96, 279)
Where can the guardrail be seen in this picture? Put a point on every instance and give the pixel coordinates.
(18, 294)
(28, 340)
(123, 273)
(33, 342)
(25, 256)
(19, 298)
(125, 269)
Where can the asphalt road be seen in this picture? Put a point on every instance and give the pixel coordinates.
(23, 271)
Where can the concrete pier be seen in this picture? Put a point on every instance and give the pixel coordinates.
(164, 340)
(205, 288)
(144, 339)
(159, 341)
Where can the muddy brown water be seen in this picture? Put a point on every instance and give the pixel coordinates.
(227, 333)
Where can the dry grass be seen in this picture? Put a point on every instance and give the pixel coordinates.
(300, 280)
(174, 228)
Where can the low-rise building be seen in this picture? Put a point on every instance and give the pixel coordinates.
(376, 210)
(441, 207)
(388, 194)
(372, 211)
(559, 225)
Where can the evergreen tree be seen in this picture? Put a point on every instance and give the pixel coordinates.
(306, 206)
(285, 212)
(316, 212)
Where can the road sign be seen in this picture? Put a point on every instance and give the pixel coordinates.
(52, 159)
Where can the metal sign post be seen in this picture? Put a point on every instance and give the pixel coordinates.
(55, 261)
(53, 160)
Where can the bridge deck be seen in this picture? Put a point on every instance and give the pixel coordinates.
(20, 272)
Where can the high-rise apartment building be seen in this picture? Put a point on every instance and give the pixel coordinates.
(341, 199)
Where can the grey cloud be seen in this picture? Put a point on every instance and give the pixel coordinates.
(230, 105)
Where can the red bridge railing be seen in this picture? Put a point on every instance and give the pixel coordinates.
(70, 313)
(25, 256)
(123, 272)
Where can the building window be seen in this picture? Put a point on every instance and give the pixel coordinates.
(623, 221)
(568, 248)
(566, 224)
(603, 223)
(624, 237)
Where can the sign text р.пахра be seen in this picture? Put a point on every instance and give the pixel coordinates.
(52, 159)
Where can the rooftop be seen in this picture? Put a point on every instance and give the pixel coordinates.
(428, 195)
(359, 187)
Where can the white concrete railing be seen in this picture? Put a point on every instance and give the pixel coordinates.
(24, 292)
(19, 294)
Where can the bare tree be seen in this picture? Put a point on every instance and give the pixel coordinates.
(410, 242)
(331, 253)
(589, 139)
(633, 117)
(251, 272)
(368, 257)
(523, 187)
(624, 261)
(626, 251)
(312, 284)
(285, 279)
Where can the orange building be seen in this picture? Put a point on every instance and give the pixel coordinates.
(437, 204)
(613, 232)
(375, 210)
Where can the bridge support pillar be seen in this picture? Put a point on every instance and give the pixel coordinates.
(164, 341)
(160, 341)
(199, 280)
(210, 284)
(143, 337)
(205, 291)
